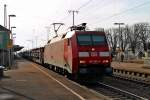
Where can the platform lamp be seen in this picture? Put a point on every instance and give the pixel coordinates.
(10, 28)
(11, 49)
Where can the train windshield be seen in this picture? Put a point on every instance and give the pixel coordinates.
(91, 39)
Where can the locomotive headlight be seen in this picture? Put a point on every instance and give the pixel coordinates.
(82, 61)
(105, 61)
(104, 54)
(83, 54)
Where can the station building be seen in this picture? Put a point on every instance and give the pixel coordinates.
(5, 47)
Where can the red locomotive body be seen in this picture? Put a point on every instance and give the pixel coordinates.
(79, 52)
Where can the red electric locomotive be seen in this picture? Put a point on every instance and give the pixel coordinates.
(79, 53)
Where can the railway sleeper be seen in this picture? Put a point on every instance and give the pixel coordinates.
(136, 76)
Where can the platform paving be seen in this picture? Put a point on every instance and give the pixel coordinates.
(30, 81)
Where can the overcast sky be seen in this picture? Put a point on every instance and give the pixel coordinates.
(33, 16)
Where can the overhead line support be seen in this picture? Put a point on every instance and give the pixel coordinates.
(73, 13)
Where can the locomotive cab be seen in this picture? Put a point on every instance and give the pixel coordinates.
(89, 52)
(93, 53)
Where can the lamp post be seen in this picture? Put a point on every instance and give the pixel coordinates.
(12, 42)
(9, 19)
(119, 37)
(11, 49)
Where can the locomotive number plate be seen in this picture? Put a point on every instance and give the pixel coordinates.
(93, 54)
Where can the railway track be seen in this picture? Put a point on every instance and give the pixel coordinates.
(115, 93)
(138, 88)
(120, 94)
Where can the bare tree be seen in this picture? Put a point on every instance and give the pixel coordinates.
(134, 34)
(112, 37)
(144, 34)
(124, 38)
(129, 37)
(115, 38)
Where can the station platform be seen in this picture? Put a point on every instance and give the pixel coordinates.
(132, 71)
(30, 81)
(137, 67)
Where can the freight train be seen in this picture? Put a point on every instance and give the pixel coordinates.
(78, 53)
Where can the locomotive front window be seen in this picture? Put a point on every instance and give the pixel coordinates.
(84, 39)
(91, 39)
(98, 39)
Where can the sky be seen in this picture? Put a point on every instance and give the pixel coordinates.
(34, 17)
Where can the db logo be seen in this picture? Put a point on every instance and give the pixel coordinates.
(93, 49)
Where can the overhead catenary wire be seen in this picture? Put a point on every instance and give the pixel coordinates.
(122, 12)
(100, 4)
(82, 6)
(99, 20)
(86, 13)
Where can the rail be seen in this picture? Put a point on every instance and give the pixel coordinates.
(123, 95)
